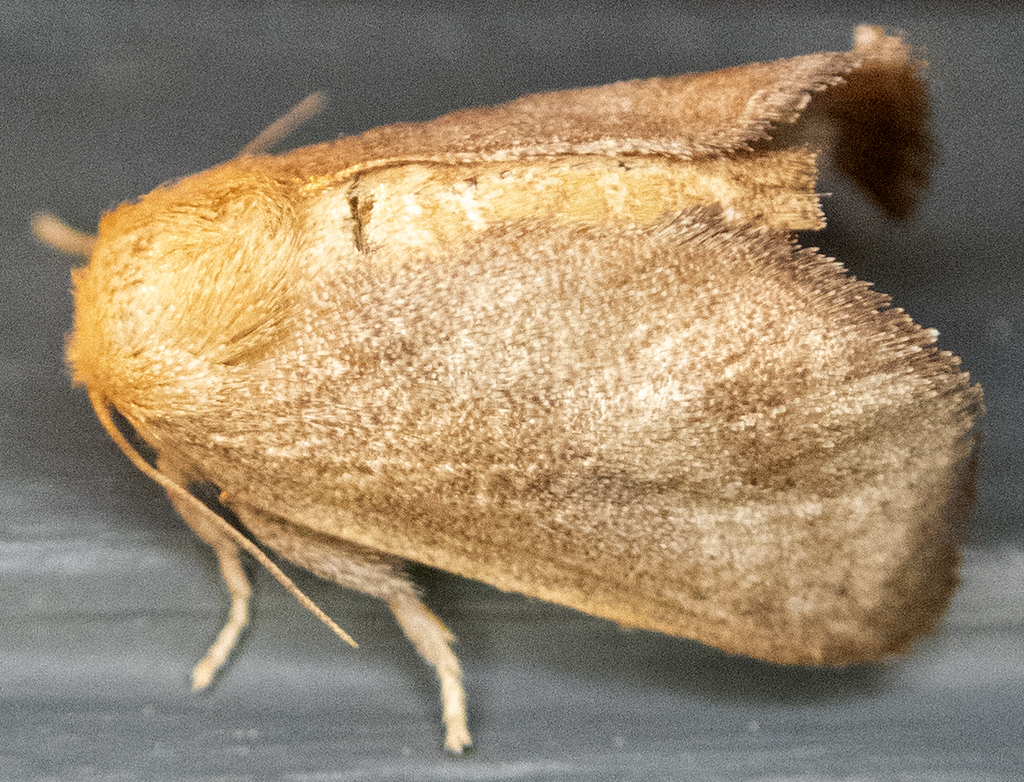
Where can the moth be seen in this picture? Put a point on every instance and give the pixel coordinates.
(567, 346)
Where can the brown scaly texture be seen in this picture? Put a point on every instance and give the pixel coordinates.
(685, 428)
(565, 346)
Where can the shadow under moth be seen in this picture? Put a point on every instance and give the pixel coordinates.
(567, 346)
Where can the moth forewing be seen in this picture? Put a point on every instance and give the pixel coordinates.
(566, 346)
(587, 460)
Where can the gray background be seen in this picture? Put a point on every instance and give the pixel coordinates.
(108, 599)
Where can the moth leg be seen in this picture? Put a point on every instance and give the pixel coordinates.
(433, 641)
(234, 578)
(379, 575)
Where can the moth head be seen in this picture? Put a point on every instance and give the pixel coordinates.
(181, 284)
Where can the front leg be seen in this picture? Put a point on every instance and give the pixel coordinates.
(226, 549)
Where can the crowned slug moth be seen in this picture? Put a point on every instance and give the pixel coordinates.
(567, 346)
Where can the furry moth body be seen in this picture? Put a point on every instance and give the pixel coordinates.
(566, 346)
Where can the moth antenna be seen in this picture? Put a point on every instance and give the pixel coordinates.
(53, 231)
(180, 494)
(304, 110)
